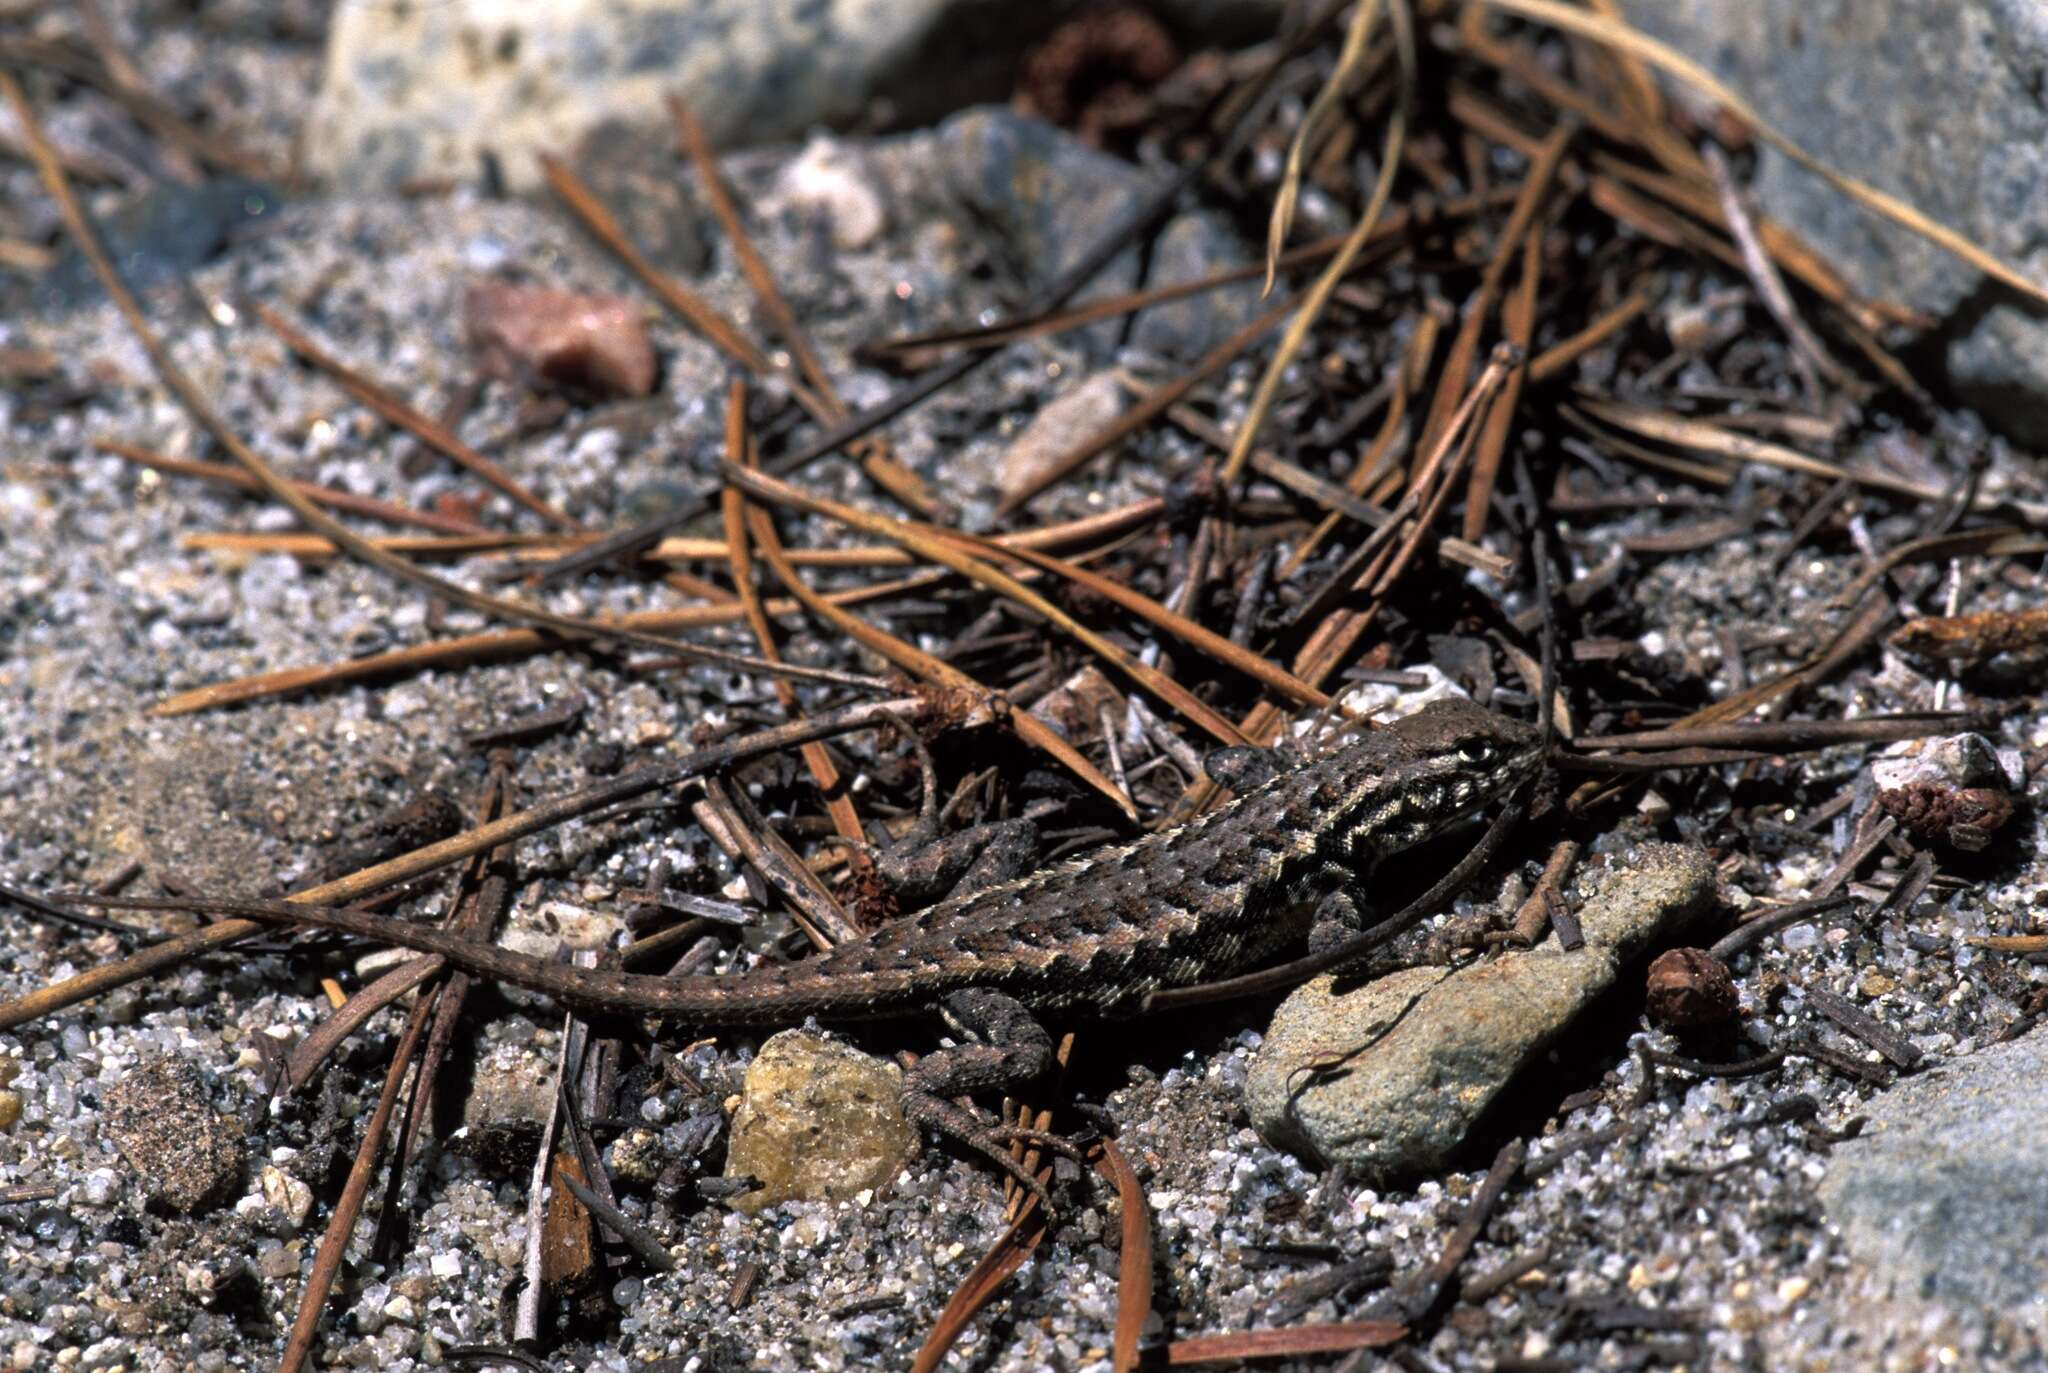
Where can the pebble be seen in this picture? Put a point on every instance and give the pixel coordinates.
(186, 1154)
(1953, 760)
(102, 1185)
(1065, 421)
(829, 182)
(560, 340)
(818, 1121)
(290, 1197)
(1388, 1078)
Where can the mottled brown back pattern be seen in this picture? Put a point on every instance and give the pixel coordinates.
(1092, 936)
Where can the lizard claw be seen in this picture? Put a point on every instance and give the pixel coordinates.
(951, 1121)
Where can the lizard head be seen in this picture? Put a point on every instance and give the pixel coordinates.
(1446, 761)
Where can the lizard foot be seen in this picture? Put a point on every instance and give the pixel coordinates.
(1013, 1053)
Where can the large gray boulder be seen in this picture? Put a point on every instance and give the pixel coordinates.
(425, 90)
(1938, 102)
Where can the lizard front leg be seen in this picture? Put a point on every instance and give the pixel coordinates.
(960, 863)
(924, 865)
(1337, 898)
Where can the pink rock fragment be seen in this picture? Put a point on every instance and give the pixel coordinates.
(559, 340)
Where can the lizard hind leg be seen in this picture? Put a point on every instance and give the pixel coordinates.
(1016, 1053)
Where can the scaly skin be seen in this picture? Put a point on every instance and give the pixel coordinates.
(1091, 937)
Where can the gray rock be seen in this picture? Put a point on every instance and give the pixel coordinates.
(1190, 246)
(285, 1195)
(1945, 1194)
(162, 237)
(425, 90)
(1842, 78)
(635, 170)
(186, 1154)
(1388, 1078)
(1046, 196)
(819, 1121)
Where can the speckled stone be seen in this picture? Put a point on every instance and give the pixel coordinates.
(1387, 1079)
(186, 1154)
(819, 1121)
(1945, 1194)
(1068, 419)
(1191, 246)
(1831, 75)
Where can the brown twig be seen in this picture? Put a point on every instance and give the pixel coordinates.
(348, 501)
(426, 429)
(872, 452)
(1028, 727)
(838, 804)
(944, 550)
(334, 1243)
(1534, 914)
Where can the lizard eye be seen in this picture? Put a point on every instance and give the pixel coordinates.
(1478, 752)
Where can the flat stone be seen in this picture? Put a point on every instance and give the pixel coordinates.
(1387, 1079)
(163, 237)
(412, 91)
(1944, 1196)
(570, 341)
(1954, 760)
(818, 1121)
(1831, 76)
(186, 1154)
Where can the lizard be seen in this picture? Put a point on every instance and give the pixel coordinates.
(1088, 938)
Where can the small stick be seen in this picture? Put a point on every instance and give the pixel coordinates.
(1856, 1021)
(1429, 1286)
(1754, 931)
(1810, 353)
(1534, 914)
(334, 1243)
(638, 1238)
(223, 475)
(395, 411)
